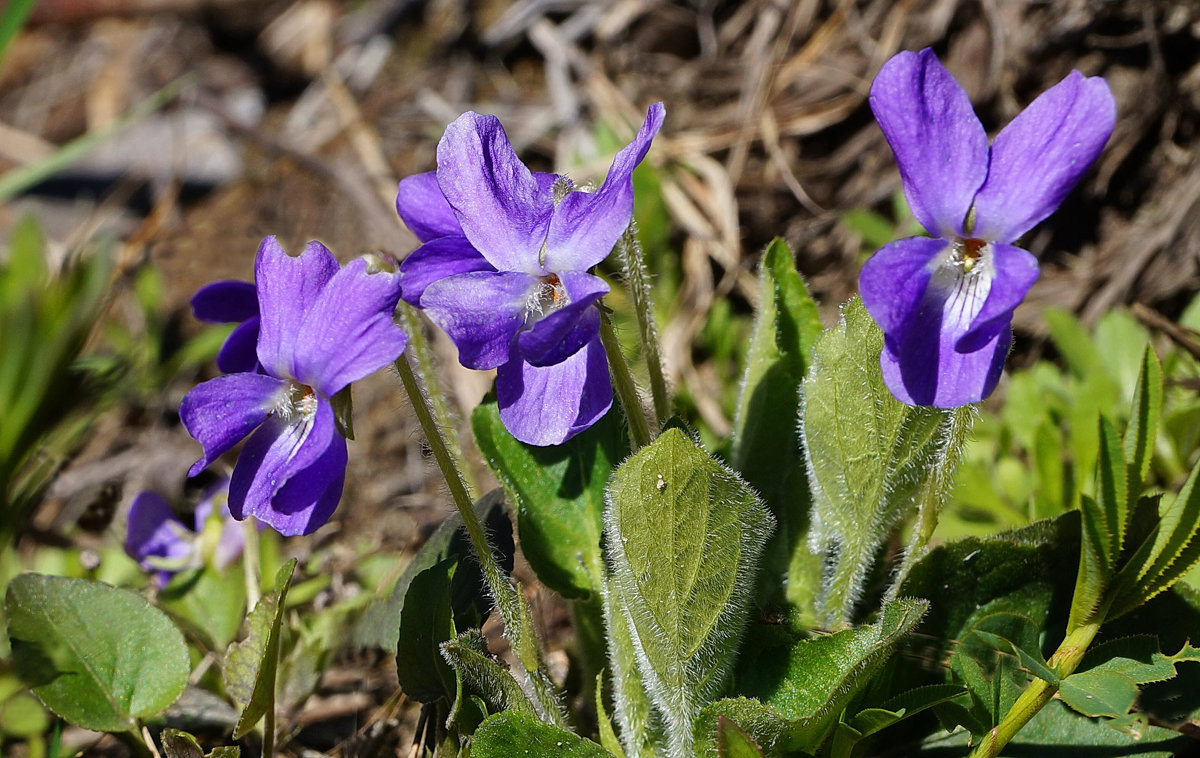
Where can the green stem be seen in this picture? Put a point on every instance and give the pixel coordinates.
(1040, 692)
(510, 601)
(420, 349)
(634, 263)
(624, 385)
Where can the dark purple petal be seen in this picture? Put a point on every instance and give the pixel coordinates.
(940, 146)
(435, 260)
(586, 225)
(503, 210)
(1013, 272)
(222, 302)
(155, 532)
(927, 370)
(280, 451)
(221, 412)
(423, 208)
(894, 279)
(921, 363)
(240, 352)
(1041, 154)
(481, 312)
(287, 289)
(549, 405)
(348, 331)
(564, 331)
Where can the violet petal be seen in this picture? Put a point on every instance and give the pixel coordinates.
(349, 331)
(502, 209)
(940, 146)
(894, 279)
(564, 331)
(155, 532)
(1041, 154)
(240, 352)
(222, 302)
(437, 259)
(220, 412)
(276, 453)
(549, 405)
(423, 208)
(287, 289)
(1013, 272)
(481, 312)
(927, 370)
(586, 225)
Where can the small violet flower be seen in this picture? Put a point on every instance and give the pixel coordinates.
(322, 327)
(231, 301)
(504, 271)
(165, 545)
(945, 302)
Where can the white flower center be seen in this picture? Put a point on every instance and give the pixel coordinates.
(963, 279)
(297, 403)
(548, 296)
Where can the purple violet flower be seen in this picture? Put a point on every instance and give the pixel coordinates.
(504, 271)
(322, 327)
(225, 302)
(162, 543)
(945, 302)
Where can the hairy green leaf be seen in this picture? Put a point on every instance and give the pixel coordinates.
(684, 535)
(871, 459)
(765, 443)
(99, 657)
(425, 623)
(810, 684)
(482, 674)
(732, 742)
(509, 734)
(1099, 693)
(558, 493)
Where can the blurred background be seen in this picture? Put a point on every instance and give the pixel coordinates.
(147, 146)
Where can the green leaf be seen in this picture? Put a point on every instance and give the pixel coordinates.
(1112, 495)
(732, 742)
(558, 492)
(608, 737)
(99, 657)
(1176, 548)
(469, 656)
(1060, 732)
(210, 603)
(765, 444)
(810, 684)
(766, 727)
(250, 665)
(509, 734)
(871, 458)
(983, 660)
(425, 623)
(380, 623)
(1099, 693)
(177, 744)
(684, 534)
(1143, 420)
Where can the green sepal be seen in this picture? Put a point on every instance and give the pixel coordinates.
(468, 655)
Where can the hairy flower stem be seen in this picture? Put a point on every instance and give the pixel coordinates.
(1040, 692)
(420, 349)
(518, 621)
(634, 264)
(954, 430)
(625, 387)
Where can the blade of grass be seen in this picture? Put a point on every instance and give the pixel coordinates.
(16, 181)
